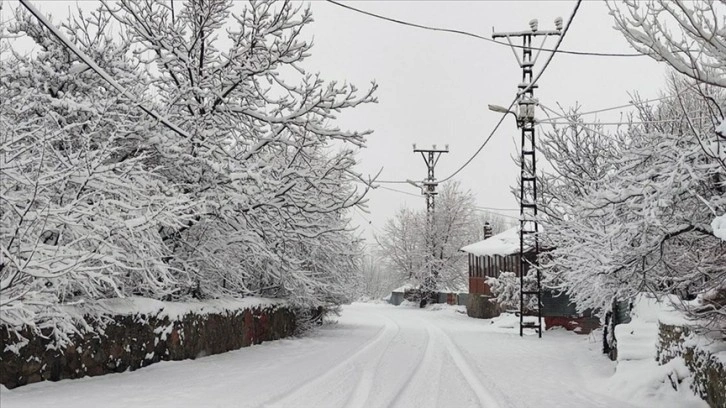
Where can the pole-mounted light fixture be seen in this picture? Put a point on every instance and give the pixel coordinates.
(498, 108)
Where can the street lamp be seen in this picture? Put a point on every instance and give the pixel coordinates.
(413, 183)
(502, 109)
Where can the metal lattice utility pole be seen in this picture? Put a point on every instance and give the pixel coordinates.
(528, 226)
(428, 188)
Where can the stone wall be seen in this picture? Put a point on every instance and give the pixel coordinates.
(709, 371)
(130, 341)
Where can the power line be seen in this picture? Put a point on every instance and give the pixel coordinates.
(545, 109)
(496, 213)
(627, 105)
(400, 191)
(531, 84)
(479, 37)
(391, 181)
(496, 209)
(642, 122)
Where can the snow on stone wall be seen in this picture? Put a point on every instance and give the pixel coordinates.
(704, 358)
(135, 333)
(642, 375)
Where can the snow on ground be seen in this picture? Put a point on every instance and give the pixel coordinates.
(374, 356)
(638, 376)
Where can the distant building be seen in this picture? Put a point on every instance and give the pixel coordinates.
(500, 253)
(398, 295)
(412, 293)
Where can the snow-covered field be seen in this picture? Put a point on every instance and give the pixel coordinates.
(374, 356)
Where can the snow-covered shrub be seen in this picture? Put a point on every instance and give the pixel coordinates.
(506, 290)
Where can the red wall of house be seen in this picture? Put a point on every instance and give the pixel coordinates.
(478, 285)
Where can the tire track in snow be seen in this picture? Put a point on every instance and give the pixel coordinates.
(361, 394)
(337, 370)
(483, 394)
(417, 372)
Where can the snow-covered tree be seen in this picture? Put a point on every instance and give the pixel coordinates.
(629, 210)
(251, 197)
(81, 205)
(686, 34)
(457, 223)
(402, 244)
(376, 280)
(273, 171)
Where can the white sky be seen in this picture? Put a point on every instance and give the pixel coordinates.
(434, 87)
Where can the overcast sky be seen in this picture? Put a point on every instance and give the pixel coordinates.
(434, 87)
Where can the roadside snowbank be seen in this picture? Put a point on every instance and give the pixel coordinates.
(638, 376)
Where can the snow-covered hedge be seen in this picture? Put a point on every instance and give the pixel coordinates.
(133, 333)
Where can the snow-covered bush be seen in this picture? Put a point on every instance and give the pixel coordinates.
(506, 289)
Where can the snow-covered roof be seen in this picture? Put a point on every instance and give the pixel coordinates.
(504, 243)
(404, 288)
(453, 288)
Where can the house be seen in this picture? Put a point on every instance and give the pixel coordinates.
(500, 253)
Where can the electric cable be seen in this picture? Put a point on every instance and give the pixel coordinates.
(534, 81)
(480, 37)
(400, 191)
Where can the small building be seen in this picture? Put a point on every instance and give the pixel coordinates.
(452, 296)
(500, 253)
(398, 295)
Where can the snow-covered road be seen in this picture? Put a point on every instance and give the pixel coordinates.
(375, 356)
